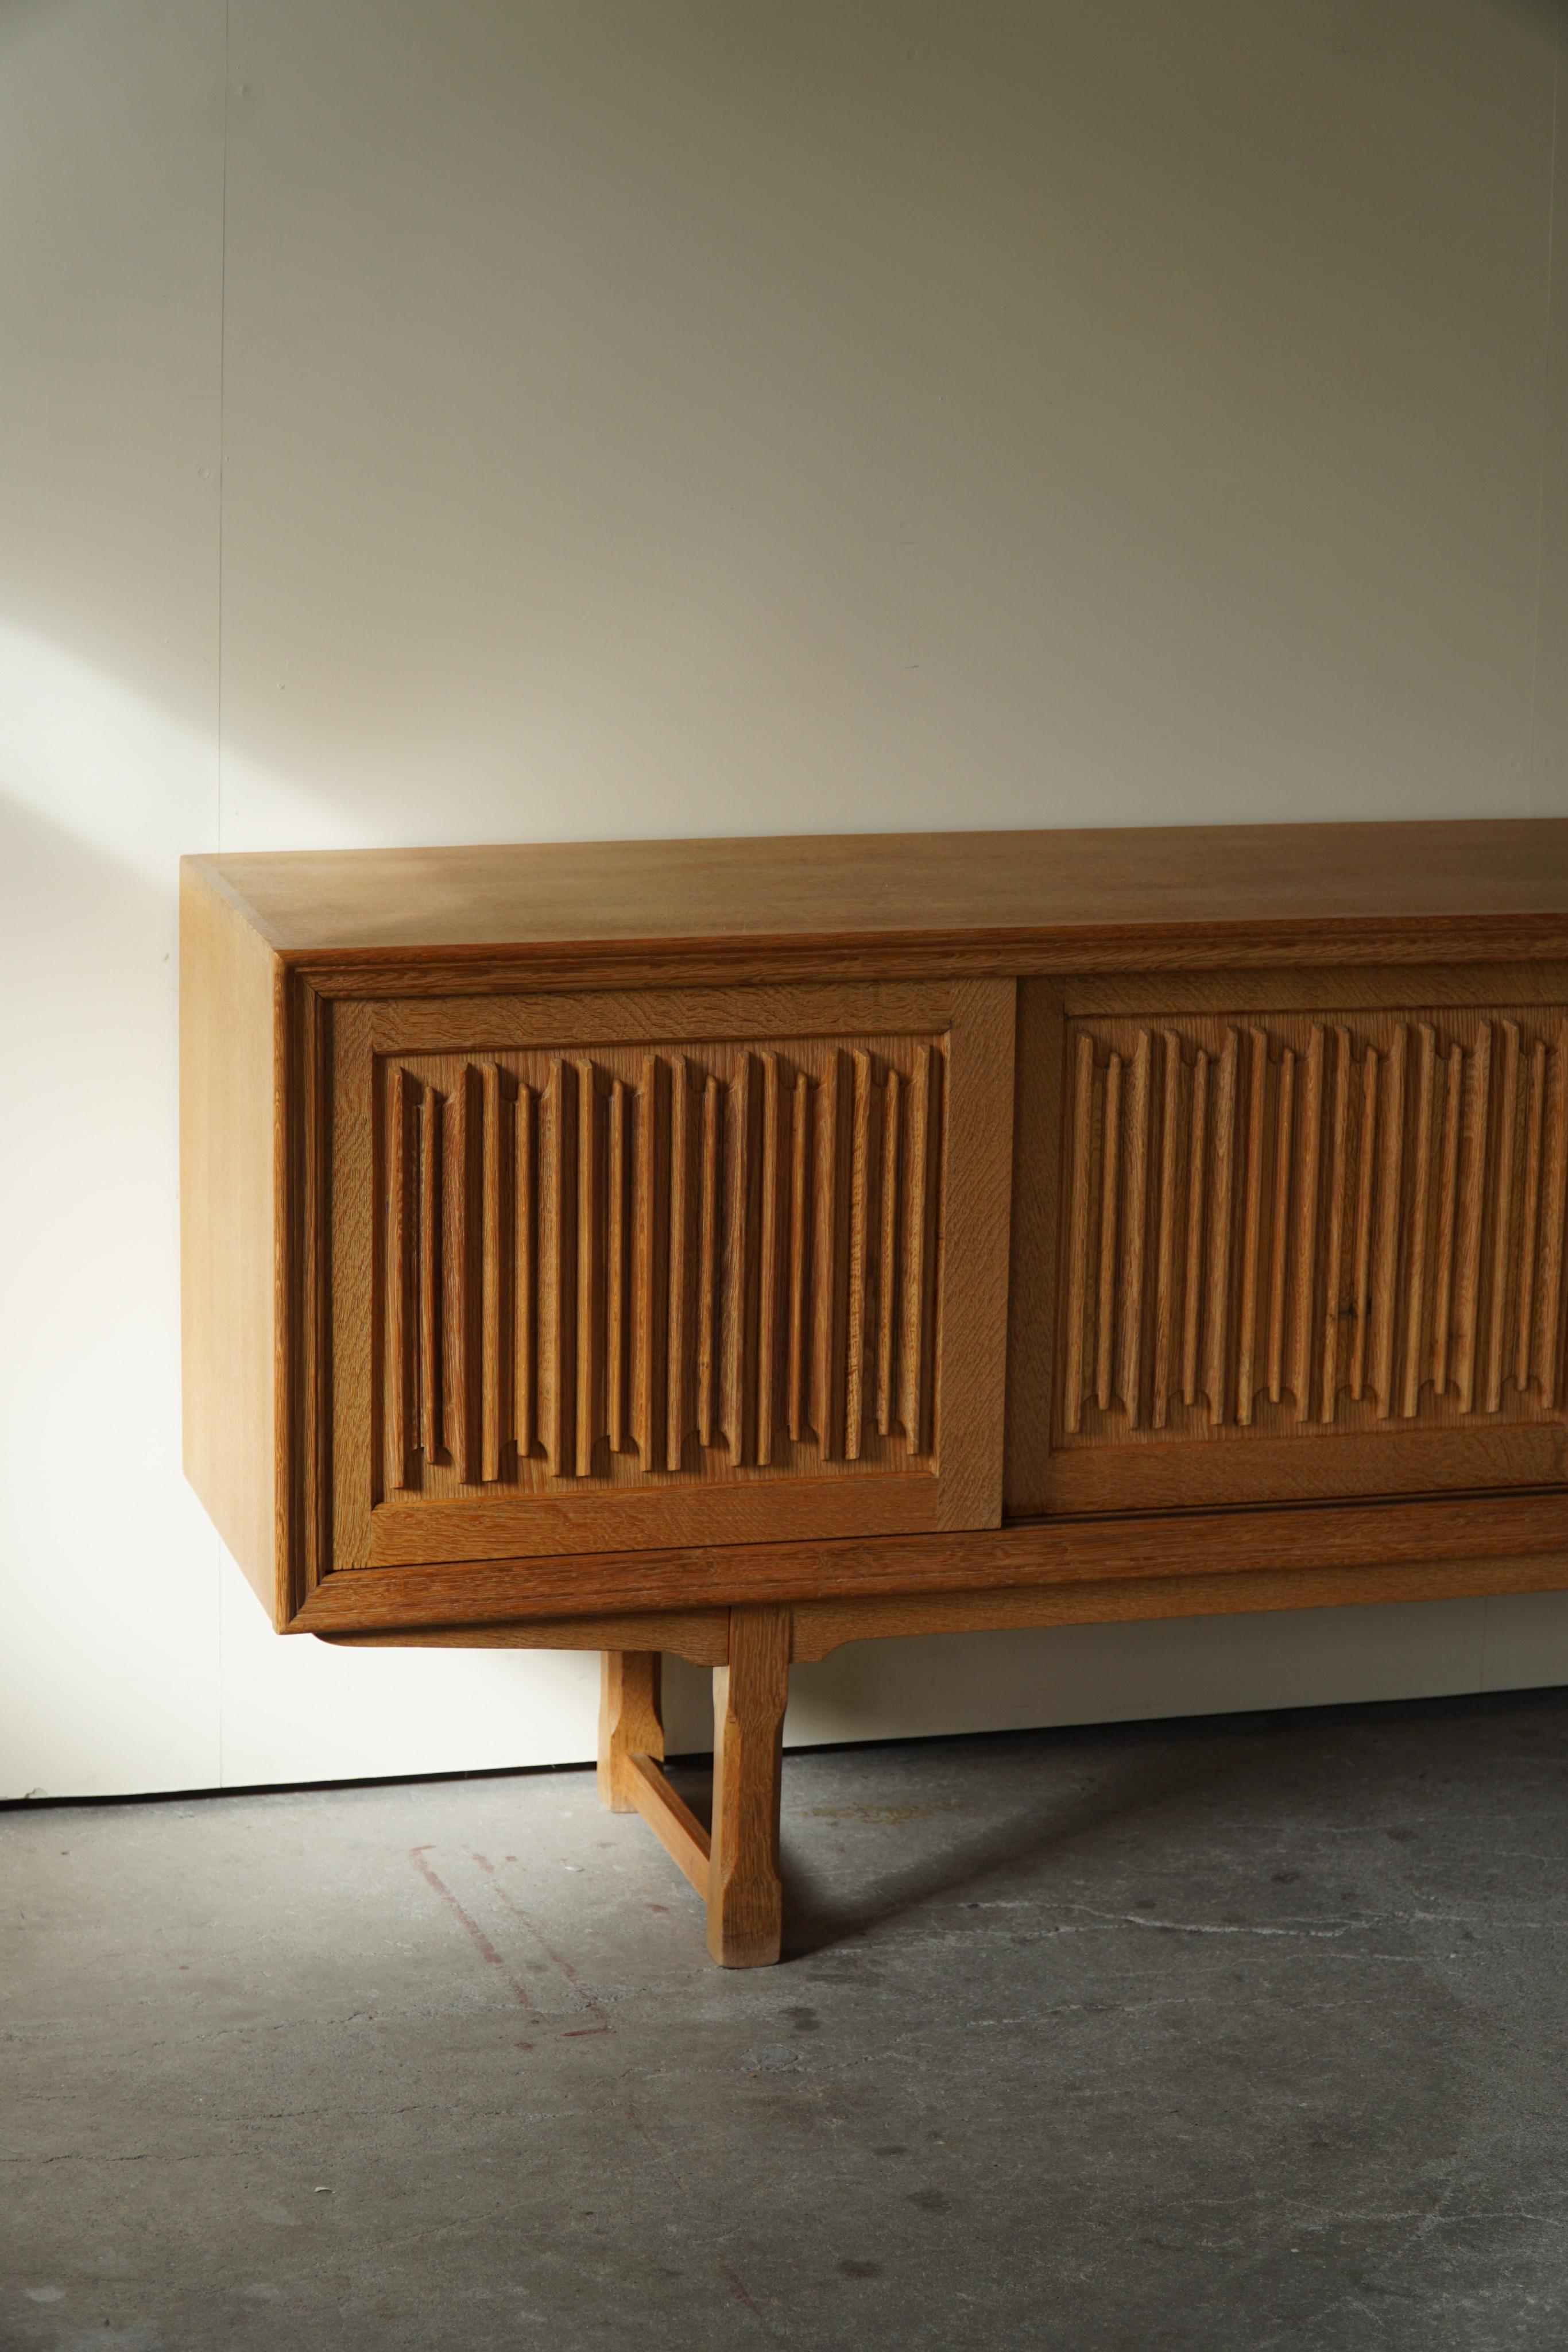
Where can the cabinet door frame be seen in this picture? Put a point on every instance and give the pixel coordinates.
(336, 1411)
(1051, 1475)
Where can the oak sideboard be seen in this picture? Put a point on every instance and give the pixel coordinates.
(735, 1248)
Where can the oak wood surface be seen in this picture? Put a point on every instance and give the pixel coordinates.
(631, 1749)
(1035, 1241)
(408, 1534)
(1266, 1464)
(1313, 1239)
(969, 1347)
(1361, 987)
(231, 1141)
(699, 1635)
(822, 1626)
(1057, 1552)
(746, 1895)
(1282, 887)
(567, 1020)
(630, 1720)
(308, 1416)
(671, 1819)
(422, 1224)
(678, 1277)
(739, 1248)
(1261, 1466)
(1412, 1088)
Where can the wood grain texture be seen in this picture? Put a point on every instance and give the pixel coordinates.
(630, 1720)
(591, 1240)
(799, 1205)
(554, 1371)
(1036, 1179)
(233, 1146)
(314, 1520)
(1396, 1224)
(495, 1272)
(1043, 1078)
(1554, 1174)
(828, 1150)
(654, 1243)
(1274, 893)
(1423, 1161)
(699, 1635)
(671, 1819)
(618, 1275)
(636, 1247)
(1258, 1465)
(971, 1097)
(1062, 1550)
(401, 1437)
(1302, 1249)
(822, 1626)
(680, 1259)
(1400, 1218)
(889, 1297)
(1197, 1216)
(1279, 1236)
(426, 1226)
(1501, 1218)
(713, 1308)
(1524, 1300)
(1252, 1235)
(1321, 1213)
(1329, 1294)
(570, 1517)
(1109, 1158)
(334, 1404)
(1365, 985)
(1166, 1336)
(746, 1895)
(650, 1256)
(1361, 1294)
(720, 1223)
(1220, 1188)
(1475, 1119)
(863, 1181)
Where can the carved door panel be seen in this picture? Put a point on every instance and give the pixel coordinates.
(664, 1268)
(1308, 1247)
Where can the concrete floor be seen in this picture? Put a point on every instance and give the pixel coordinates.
(1244, 2032)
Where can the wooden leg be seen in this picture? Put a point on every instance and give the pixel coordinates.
(630, 1721)
(631, 1748)
(745, 1899)
(737, 1872)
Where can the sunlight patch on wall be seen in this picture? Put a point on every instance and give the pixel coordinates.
(127, 776)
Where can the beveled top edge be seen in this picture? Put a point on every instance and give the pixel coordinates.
(1000, 887)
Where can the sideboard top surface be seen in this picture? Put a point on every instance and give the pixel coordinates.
(1270, 888)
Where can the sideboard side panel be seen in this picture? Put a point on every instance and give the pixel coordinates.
(229, 1091)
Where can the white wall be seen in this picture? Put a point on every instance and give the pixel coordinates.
(433, 420)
